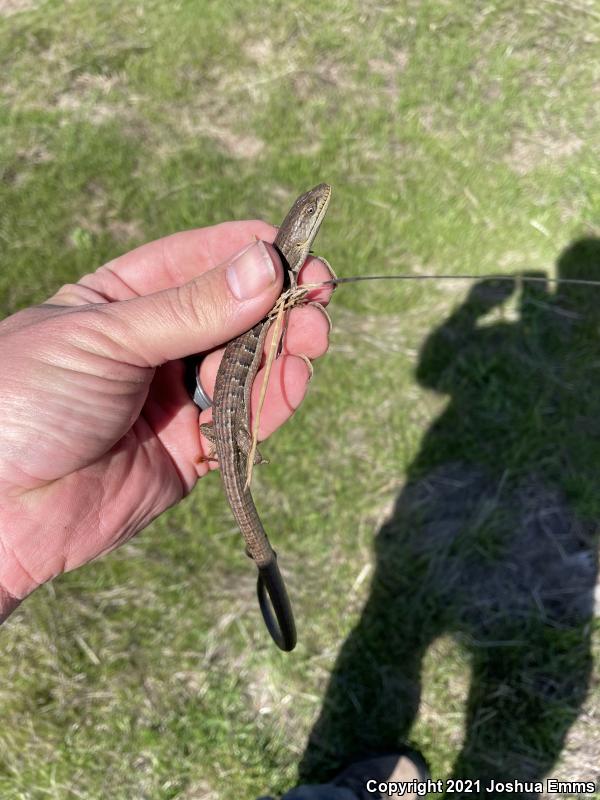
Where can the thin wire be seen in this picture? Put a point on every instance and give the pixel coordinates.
(514, 278)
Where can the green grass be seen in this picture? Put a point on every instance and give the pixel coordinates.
(450, 441)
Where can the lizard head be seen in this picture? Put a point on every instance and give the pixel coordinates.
(303, 220)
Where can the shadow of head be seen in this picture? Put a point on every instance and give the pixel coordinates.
(581, 261)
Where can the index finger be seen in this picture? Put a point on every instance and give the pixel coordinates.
(174, 260)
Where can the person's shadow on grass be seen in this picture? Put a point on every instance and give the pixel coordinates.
(491, 542)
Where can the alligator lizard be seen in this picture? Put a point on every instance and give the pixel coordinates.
(229, 431)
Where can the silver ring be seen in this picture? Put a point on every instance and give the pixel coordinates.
(201, 399)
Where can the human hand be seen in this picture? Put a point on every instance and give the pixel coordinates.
(98, 433)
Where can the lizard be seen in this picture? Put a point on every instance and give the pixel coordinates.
(229, 431)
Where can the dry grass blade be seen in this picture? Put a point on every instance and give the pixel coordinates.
(287, 301)
(263, 392)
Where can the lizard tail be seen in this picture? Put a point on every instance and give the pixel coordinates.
(275, 605)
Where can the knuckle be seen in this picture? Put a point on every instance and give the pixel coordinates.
(196, 305)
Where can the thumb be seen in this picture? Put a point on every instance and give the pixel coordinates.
(212, 309)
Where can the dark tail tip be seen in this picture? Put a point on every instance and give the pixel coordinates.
(275, 606)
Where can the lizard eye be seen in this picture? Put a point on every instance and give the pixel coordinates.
(310, 210)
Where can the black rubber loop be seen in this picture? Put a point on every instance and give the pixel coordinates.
(273, 597)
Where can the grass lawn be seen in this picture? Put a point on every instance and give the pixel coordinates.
(434, 501)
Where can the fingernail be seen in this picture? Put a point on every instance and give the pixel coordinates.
(323, 311)
(308, 362)
(251, 271)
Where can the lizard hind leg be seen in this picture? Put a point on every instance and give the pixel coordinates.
(207, 429)
(244, 443)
